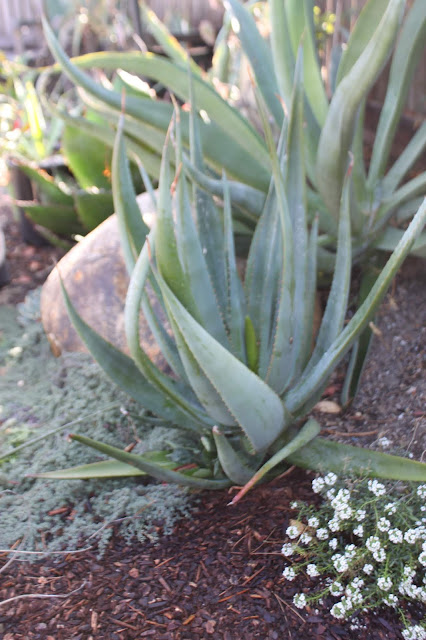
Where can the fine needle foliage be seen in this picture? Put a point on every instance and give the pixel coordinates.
(241, 372)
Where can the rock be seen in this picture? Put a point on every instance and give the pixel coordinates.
(96, 279)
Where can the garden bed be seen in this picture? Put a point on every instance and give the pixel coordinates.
(218, 574)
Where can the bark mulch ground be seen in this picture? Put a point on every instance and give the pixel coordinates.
(218, 576)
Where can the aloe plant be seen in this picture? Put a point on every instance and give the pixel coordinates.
(243, 374)
(334, 126)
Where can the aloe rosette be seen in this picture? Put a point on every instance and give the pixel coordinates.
(335, 124)
(242, 371)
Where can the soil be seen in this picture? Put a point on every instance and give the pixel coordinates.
(219, 575)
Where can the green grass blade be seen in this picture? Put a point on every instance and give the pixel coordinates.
(324, 456)
(259, 55)
(301, 393)
(157, 471)
(409, 48)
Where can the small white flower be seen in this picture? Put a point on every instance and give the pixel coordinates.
(360, 514)
(288, 549)
(359, 531)
(414, 633)
(395, 536)
(340, 563)
(299, 600)
(411, 536)
(292, 532)
(421, 491)
(350, 551)
(384, 583)
(379, 555)
(334, 525)
(313, 522)
(368, 569)
(390, 508)
(372, 543)
(391, 600)
(330, 478)
(344, 513)
(322, 534)
(312, 570)
(336, 588)
(294, 504)
(333, 543)
(422, 558)
(383, 525)
(305, 538)
(338, 610)
(330, 494)
(408, 573)
(289, 573)
(318, 485)
(341, 499)
(358, 583)
(376, 487)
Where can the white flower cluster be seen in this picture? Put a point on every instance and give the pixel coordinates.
(383, 565)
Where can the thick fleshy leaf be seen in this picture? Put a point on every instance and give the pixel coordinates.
(409, 48)
(93, 208)
(309, 431)
(406, 160)
(324, 455)
(58, 218)
(390, 238)
(254, 405)
(88, 158)
(94, 470)
(250, 201)
(123, 371)
(259, 55)
(151, 468)
(362, 345)
(158, 113)
(49, 191)
(296, 397)
(367, 22)
(107, 469)
(336, 136)
(301, 31)
(133, 229)
(237, 465)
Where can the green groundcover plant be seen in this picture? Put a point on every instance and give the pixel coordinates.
(362, 548)
(241, 370)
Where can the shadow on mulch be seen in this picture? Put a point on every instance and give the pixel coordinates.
(218, 576)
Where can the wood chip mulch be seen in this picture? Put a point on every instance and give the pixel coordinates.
(218, 576)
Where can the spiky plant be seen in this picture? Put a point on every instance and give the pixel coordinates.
(244, 375)
(335, 126)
